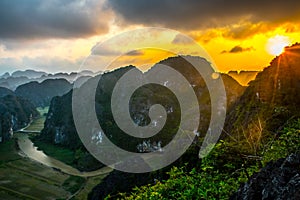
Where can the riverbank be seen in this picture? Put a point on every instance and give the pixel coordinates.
(27, 173)
(22, 178)
(29, 150)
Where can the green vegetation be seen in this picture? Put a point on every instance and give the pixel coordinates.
(38, 124)
(8, 152)
(288, 142)
(43, 110)
(58, 152)
(73, 183)
(223, 170)
(90, 183)
(21, 178)
(79, 159)
(215, 179)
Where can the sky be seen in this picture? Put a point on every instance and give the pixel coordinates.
(58, 36)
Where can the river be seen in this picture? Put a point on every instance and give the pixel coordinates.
(29, 150)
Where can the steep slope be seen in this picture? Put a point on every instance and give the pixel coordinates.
(40, 94)
(15, 113)
(4, 92)
(59, 125)
(272, 98)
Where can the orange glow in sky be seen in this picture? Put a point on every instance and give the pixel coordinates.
(276, 44)
(244, 40)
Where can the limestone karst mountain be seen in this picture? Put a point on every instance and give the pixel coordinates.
(40, 94)
(60, 123)
(15, 113)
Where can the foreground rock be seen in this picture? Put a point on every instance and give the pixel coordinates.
(278, 180)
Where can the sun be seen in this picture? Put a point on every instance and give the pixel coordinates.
(275, 45)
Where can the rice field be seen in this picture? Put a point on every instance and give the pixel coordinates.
(38, 124)
(22, 178)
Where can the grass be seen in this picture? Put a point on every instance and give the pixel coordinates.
(28, 184)
(8, 152)
(60, 153)
(89, 185)
(43, 111)
(73, 184)
(21, 178)
(38, 124)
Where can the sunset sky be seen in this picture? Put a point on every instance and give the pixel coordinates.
(58, 35)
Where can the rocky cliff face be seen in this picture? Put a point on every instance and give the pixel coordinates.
(59, 125)
(274, 96)
(15, 113)
(278, 180)
(40, 94)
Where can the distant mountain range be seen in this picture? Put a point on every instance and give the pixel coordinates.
(17, 78)
(29, 74)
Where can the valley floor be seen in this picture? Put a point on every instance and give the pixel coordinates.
(24, 178)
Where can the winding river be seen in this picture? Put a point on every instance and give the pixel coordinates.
(29, 150)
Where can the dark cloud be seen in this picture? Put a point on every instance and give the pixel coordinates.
(238, 49)
(32, 19)
(10, 45)
(245, 30)
(195, 14)
(135, 53)
(106, 51)
(102, 50)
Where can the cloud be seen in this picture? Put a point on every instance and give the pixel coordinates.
(240, 30)
(246, 29)
(42, 63)
(238, 49)
(182, 40)
(12, 45)
(104, 50)
(135, 53)
(33, 19)
(197, 14)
